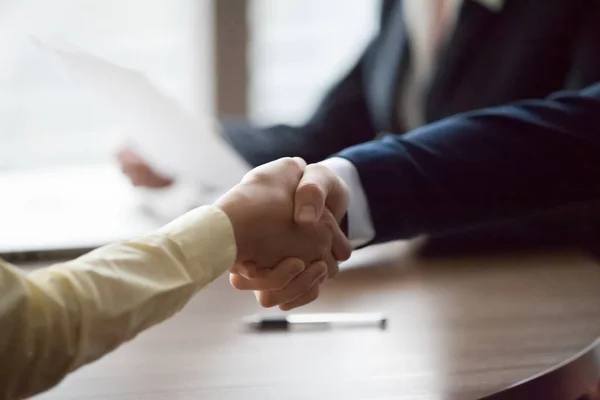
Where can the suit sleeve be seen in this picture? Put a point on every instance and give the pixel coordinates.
(341, 120)
(477, 167)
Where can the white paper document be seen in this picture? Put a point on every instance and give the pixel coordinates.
(172, 140)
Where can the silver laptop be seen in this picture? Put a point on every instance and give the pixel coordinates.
(46, 213)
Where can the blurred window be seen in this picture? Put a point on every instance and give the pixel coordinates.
(45, 119)
(299, 48)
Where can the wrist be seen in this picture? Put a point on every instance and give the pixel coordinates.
(233, 205)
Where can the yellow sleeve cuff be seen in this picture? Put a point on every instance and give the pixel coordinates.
(206, 238)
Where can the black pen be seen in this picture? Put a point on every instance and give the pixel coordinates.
(315, 321)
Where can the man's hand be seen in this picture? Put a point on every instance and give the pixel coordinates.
(288, 285)
(138, 171)
(319, 192)
(261, 210)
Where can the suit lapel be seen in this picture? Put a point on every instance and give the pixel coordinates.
(468, 38)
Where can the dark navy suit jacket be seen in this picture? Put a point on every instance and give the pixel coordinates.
(505, 162)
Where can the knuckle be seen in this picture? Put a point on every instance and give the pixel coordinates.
(323, 171)
(248, 175)
(289, 162)
(259, 175)
(316, 168)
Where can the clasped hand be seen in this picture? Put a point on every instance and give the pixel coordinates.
(285, 216)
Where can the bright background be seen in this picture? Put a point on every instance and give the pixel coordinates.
(297, 49)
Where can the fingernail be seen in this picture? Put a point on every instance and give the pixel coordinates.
(307, 214)
(246, 270)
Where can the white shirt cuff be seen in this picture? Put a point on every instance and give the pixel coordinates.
(360, 225)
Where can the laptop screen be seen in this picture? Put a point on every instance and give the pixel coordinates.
(69, 208)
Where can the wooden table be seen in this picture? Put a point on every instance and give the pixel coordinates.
(458, 329)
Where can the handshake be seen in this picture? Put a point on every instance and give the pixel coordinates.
(285, 216)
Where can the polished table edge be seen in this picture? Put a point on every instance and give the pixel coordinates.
(566, 381)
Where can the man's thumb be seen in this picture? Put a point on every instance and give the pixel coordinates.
(309, 200)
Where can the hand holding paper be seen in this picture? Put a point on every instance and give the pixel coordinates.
(172, 140)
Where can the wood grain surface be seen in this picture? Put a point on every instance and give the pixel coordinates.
(458, 329)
